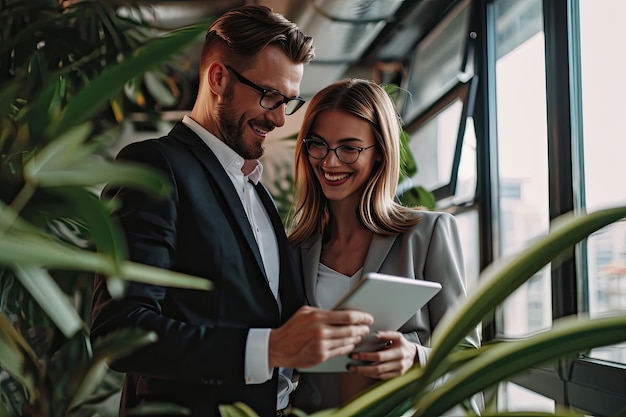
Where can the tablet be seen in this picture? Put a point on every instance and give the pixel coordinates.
(391, 300)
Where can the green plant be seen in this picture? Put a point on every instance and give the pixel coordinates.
(55, 232)
(408, 194)
(452, 374)
(40, 40)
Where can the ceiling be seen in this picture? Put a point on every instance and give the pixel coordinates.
(351, 37)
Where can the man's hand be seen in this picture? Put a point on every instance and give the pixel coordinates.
(313, 335)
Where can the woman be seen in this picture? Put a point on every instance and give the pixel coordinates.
(345, 222)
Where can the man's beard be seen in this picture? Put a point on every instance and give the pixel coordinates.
(232, 131)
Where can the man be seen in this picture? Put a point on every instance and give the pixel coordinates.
(231, 343)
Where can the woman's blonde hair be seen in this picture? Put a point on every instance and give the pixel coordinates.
(378, 210)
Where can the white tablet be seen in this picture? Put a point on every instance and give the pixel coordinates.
(391, 300)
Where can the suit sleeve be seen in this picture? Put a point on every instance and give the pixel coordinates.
(184, 351)
(444, 263)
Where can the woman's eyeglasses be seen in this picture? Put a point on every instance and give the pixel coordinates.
(347, 154)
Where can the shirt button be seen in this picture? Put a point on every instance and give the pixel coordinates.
(212, 381)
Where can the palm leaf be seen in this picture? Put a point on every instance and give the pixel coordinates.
(50, 298)
(85, 379)
(36, 249)
(18, 359)
(567, 336)
(499, 280)
(98, 92)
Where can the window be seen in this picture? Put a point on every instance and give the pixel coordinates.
(438, 62)
(604, 147)
(512, 397)
(443, 143)
(468, 230)
(580, 79)
(522, 155)
(538, 315)
(535, 161)
(465, 190)
(433, 144)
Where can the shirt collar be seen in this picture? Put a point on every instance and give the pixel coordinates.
(228, 158)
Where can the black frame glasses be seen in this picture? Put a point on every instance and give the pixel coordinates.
(271, 99)
(318, 149)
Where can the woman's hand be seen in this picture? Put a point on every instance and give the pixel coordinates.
(395, 358)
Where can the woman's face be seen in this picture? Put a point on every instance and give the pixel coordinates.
(339, 180)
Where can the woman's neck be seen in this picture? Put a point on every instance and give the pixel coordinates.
(349, 240)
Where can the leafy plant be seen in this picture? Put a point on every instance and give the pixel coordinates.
(408, 194)
(453, 374)
(54, 230)
(40, 40)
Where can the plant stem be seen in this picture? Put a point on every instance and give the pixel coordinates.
(11, 212)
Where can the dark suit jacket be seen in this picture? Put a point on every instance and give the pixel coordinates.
(202, 230)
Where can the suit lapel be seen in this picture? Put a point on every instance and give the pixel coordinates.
(310, 253)
(231, 202)
(290, 288)
(311, 250)
(377, 252)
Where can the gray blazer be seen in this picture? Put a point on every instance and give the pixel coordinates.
(431, 251)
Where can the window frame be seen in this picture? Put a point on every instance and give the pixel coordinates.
(588, 384)
(465, 92)
(584, 383)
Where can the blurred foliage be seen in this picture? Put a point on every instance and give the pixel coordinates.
(409, 194)
(63, 74)
(40, 42)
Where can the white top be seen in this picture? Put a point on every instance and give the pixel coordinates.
(332, 285)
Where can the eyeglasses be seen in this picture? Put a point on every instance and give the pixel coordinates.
(347, 154)
(271, 99)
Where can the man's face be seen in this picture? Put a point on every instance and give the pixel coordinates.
(243, 123)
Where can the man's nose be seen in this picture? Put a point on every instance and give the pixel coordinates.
(277, 116)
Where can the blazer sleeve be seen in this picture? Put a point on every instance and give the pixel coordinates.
(444, 263)
(184, 350)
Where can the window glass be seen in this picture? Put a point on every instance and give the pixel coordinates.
(512, 397)
(468, 230)
(603, 107)
(438, 61)
(466, 180)
(522, 157)
(433, 144)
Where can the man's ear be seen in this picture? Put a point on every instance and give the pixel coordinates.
(217, 78)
